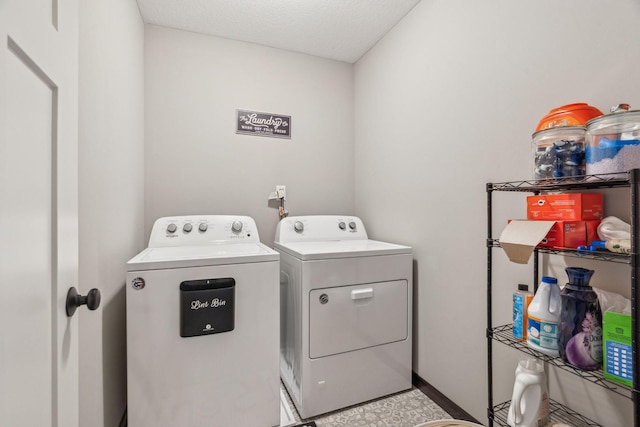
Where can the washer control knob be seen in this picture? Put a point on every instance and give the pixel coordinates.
(298, 226)
(342, 225)
(236, 226)
(171, 228)
(203, 227)
(187, 228)
(352, 225)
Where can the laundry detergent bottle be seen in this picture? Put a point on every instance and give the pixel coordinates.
(544, 317)
(530, 401)
(580, 334)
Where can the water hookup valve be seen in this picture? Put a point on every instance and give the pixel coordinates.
(279, 196)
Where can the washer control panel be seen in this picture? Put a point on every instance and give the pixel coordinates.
(318, 228)
(193, 230)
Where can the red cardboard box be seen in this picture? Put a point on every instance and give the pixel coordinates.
(570, 234)
(565, 207)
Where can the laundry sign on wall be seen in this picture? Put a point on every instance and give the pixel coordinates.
(263, 124)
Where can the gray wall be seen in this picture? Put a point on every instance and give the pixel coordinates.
(194, 161)
(443, 104)
(447, 102)
(111, 193)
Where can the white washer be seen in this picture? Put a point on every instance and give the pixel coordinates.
(202, 326)
(345, 320)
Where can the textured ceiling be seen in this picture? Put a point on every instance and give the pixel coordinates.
(336, 29)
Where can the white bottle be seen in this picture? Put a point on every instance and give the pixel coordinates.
(544, 317)
(622, 246)
(521, 300)
(530, 401)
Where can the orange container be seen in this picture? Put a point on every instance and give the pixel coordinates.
(570, 234)
(571, 206)
(577, 114)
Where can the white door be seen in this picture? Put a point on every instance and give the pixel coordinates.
(38, 212)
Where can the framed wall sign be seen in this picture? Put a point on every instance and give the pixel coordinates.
(263, 124)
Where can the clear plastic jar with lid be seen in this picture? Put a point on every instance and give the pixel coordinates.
(559, 153)
(613, 143)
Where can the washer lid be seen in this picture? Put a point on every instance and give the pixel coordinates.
(341, 249)
(199, 256)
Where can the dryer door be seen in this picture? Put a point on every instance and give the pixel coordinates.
(349, 318)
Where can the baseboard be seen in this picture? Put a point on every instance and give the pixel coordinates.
(441, 400)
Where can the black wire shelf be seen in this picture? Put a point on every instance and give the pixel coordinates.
(504, 334)
(567, 183)
(498, 414)
(603, 255)
(558, 412)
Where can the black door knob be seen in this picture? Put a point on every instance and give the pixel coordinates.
(75, 300)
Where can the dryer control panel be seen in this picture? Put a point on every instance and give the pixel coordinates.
(193, 230)
(318, 228)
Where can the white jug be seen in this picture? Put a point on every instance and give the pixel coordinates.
(544, 317)
(530, 400)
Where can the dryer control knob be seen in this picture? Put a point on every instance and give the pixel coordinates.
(203, 227)
(171, 228)
(352, 225)
(187, 228)
(236, 226)
(342, 225)
(298, 227)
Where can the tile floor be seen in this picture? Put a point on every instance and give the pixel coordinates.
(404, 409)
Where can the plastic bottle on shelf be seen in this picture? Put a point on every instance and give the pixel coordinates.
(580, 332)
(521, 300)
(530, 400)
(621, 246)
(544, 317)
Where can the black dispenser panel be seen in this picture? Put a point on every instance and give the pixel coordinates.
(207, 306)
